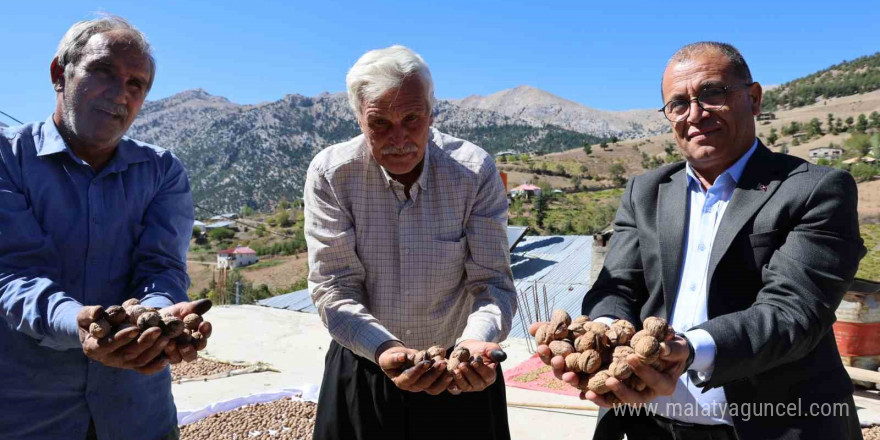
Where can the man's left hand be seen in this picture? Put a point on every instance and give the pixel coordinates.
(176, 354)
(658, 382)
(475, 376)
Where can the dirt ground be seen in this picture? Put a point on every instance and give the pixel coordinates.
(869, 201)
(279, 276)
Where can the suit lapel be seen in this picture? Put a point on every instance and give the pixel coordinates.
(756, 185)
(672, 227)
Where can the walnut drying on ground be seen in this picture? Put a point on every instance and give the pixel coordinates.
(561, 348)
(576, 328)
(99, 329)
(647, 348)
(597, 382)
(544, 335)
(192, 321)
(559, 324)
(459, 355)
(148, 320)
(172, 326)
(590, 361)
(116, 315)
(657, 327)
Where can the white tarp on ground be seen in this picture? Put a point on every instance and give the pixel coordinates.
(306, 392)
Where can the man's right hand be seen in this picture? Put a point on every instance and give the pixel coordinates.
(428, 376)
(127, 348)
(557, 362)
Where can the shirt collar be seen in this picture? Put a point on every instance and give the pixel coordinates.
(422, 181)
(733, 173)
(127, 152)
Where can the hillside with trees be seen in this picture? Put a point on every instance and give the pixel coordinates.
(860, 75)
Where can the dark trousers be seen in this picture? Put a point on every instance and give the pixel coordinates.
(613, 426)
(359, 402)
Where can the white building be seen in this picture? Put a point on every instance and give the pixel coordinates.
(238, 257)
(825, 153)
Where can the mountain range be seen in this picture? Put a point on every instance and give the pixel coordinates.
(257, 155)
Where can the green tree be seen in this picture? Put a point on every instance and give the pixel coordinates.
(838, 126)
(560, 170)
(772, 137)
(862, 123)
(197, 232)
(795, 142)
(283, 219)
(863, 172)
(614, 139)
(618, 173)
(584, 169)
(860, 143)
(284, 204)
(849, 123)
(246, 211)
(220, 234)
(603, 145)
(588, 149)
(541, 203)
(814, 128)
(875, 119)
(830, 124)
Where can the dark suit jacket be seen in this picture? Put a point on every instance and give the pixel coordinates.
(785, 252)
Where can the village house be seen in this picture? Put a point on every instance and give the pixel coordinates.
(239, 256)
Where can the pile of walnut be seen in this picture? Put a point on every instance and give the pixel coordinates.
(596, 351)
(132, 314)
(437, 353)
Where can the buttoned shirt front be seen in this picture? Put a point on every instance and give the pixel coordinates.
(429, 269)
(70, 236)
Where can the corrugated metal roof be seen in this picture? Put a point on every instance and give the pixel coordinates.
(514, 234)
(557, 264)
(298, 301)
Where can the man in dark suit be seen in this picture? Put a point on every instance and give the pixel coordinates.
(746, 251)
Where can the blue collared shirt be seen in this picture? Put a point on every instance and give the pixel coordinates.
(706, 211)
(70, 236)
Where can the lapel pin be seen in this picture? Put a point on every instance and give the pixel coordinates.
(762, 187)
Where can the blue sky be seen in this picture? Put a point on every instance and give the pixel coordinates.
(606, 55)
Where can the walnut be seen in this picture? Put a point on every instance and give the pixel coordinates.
(559, 324)
(571, 362)
(148, 320)
(192, 321)
(116, 315)
(131, 302)
(99, 329)
(623, 330)
(544, 335)
(597, 382)
(172, 326)
(590, 361)
(561, 348)
(576, 328)
(134, 312)
(657, 327)
(647, 348)
(199, 341)
(620, 369)
(459, 355)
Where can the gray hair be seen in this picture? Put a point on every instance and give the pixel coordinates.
(689, 52)
(70, 49)
(379, 71)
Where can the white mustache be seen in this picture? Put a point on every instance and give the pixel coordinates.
(400, 150)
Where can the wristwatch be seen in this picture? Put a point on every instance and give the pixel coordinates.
(691, 352)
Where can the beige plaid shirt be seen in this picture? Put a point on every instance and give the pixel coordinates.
(432, 270)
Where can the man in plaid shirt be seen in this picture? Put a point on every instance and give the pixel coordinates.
(406, 229)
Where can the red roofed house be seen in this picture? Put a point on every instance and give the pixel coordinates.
(527, 189)
(237, 257)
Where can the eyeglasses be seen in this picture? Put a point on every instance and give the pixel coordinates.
(710, 98)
